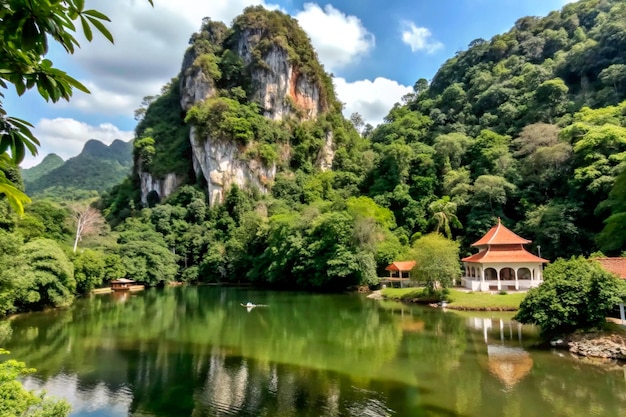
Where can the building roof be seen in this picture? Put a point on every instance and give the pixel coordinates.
(504, 254)
(122, 281)
(614, 265)
(500, 235)
(400, 266)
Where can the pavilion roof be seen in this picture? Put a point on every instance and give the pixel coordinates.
(500, 235)
(400, 266)
(614, 265)
(122, 281)
(504, 254)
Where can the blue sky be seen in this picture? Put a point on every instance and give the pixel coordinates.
(376, 50)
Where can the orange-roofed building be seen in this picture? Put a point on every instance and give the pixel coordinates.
(502, 263)
(399, 268)
(614, 265)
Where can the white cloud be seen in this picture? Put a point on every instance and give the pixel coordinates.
(148, 50)
(371, 99)
(338, 39)
(66, 137)
(419, 38)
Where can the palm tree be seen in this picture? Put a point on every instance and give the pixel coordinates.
(444, 214)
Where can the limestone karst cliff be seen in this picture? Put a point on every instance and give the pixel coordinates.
(242, 91)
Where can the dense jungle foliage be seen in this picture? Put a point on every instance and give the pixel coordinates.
(529, 126)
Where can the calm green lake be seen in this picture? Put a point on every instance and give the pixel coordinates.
(195, 351)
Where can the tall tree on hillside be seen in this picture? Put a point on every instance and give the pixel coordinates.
(612, 239)
(444, 215)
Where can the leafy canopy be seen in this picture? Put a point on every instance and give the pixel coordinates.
(576, 294)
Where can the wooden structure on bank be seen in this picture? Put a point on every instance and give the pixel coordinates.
(502, 263)
(397, 272)
(125, 284)
(122, 284)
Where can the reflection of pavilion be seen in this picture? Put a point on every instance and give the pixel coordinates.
(510, 364)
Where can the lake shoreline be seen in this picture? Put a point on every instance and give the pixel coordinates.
(609, 344)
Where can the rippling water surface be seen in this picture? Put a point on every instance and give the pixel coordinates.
(196, 351)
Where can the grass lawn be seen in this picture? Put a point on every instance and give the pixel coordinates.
(484, 300)
(462, 300)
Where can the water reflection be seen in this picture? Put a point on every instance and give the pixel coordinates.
(197, 352)
(507, 359)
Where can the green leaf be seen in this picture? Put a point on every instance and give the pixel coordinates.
(101, 28)
(97, 15)
(86, 28)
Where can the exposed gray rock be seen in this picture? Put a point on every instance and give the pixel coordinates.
(195, 86)
(598, 345)
(327, 153)
(162, 186)
(220, 163)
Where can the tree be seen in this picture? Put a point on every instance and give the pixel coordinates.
(51, 272)
(148, 262)
(612, 76)
(357, 121)
(576, 294)
(493, 189)
(89, 270)
(444, 214)
(27, 27)
(551, 97)
(14, 284)
(612, 239)
(18, 401)
(436, 261)
(88, 220)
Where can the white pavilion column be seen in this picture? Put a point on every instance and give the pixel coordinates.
(516, 280)
(482, 277)
(498, 276)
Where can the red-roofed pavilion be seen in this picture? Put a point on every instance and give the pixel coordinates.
(502, 263)
(400, 267)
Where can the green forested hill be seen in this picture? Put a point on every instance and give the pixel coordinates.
(49, 163)
(526, 126)
(542, 70)
(97, 168)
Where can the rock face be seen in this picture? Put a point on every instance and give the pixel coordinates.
(278, 85)
(219, 163)
(162, 186)
(195, 84)
(281, 90)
